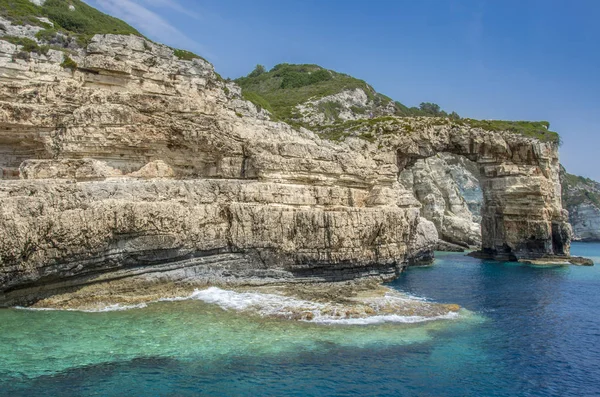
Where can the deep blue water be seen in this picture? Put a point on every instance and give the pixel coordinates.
(535, 331)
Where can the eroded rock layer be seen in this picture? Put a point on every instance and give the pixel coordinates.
(138, 163)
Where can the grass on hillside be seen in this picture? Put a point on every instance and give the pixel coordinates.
(533, 129)
(366, 129)
(286, 86)
(28, 44)
(82, 20)
(186, 55)
(578, 189)
(282, 88)
(81, 23)
(369, 128)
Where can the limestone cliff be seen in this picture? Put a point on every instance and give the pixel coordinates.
(581, 197)
(121, 159)
(137, 159)
(521, 213)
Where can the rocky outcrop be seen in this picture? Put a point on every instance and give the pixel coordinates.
(139, 163)
(581, 197)
(140, 160)
(585, 219)
(521, 214)
(344, 106)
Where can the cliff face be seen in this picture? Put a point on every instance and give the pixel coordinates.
(446, 184)
(137, 163)
(581, 197)
(137, 159)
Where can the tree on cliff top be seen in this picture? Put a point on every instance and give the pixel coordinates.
(258, 70)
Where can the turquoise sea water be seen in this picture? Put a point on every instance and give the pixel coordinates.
(528, 331)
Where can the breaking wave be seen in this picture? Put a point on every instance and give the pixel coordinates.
(285, 307)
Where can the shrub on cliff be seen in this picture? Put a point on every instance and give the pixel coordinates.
(68, 63)
(28, 45)
(534, 129)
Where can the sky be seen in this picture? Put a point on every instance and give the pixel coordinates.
(495, 59)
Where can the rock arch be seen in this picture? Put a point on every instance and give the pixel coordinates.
(522, 215)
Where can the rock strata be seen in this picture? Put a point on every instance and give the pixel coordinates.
(139, 164)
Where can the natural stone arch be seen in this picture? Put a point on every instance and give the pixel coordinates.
(522, 215)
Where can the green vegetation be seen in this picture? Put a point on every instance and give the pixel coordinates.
(79, 24)
(83, 19)
(366, 129)
(297, 79)
(578, 189)
(21, 12)
(331, 110)
(28, 44)
(68, 63)
(533, 129)
(258, 70)
(287, 85)
(186, 55)
(257, 100)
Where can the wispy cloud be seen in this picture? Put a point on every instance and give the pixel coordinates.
(174, 5)
(144, 16)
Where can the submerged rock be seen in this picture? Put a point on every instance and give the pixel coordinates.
(554, 261)
(343, 303)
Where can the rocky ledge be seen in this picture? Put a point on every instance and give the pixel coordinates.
(353, 302)
(129, 161)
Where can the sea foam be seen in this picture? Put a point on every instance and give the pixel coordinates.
(271, 305)
(279, 306)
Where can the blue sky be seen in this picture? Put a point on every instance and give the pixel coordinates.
(496, 59)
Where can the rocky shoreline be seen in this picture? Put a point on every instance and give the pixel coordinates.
(139, 163)
(326, 302)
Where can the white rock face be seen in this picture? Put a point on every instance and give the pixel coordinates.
(433, 181)
(581, 197)
(465, 174)
(585, 219)
(10, 29)
(344, 106)
(137, 159)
